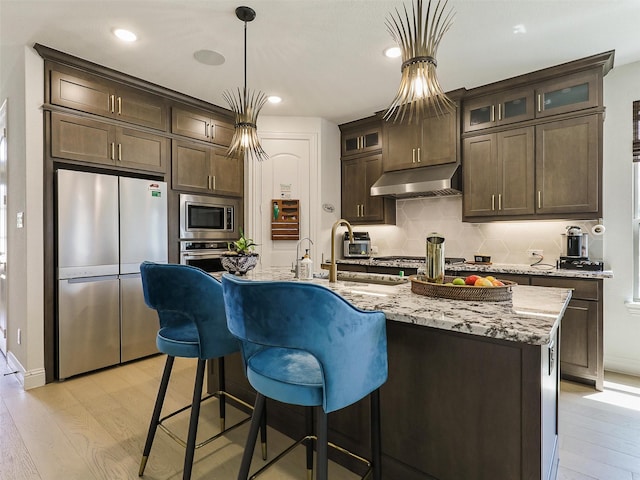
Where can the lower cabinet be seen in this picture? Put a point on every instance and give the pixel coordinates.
(358, 206)
(87, 140)
(581, 346)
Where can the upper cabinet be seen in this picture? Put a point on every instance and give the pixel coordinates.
(93, 94)
(201, 125)
(433, 140)
(88, 140)
(498, 109)
(362, 138)
(532, 145)
(569, 93)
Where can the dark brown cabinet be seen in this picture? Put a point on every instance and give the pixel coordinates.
(581, 347)
(362, 139)
(568, 168)
(87, 140)
(432, 141)
(498, 109)
(85, 92)
(201, 125)
(562, 94)
(358, 206)
(499, 173)
(569, 93)
(205, 169)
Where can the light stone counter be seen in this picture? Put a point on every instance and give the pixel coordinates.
(531, 317)
(544, 270)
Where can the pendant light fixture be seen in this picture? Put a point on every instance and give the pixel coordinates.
(418, 39)
(246, 106)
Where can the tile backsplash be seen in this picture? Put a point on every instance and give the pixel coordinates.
(505, 241)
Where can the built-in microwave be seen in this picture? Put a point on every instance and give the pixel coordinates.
(209, 218)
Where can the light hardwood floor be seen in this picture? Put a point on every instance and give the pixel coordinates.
(94, 426)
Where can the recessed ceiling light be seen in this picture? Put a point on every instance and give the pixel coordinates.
(520, 28)
(125, 35)
(274, 99)
(209, 57)
(392, 52)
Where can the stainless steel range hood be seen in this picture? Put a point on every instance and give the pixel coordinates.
(433, 181)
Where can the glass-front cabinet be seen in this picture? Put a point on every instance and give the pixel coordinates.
(362, 140)
(567, 94)
(498, 109)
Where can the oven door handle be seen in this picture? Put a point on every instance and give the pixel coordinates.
(195, 255)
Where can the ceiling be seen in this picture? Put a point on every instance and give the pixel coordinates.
(323, 57)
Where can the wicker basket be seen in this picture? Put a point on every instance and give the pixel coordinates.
(461, 292)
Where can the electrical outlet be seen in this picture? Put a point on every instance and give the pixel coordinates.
(19, 336)
(534, 253)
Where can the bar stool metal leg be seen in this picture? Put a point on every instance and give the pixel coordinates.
(157, 410)
(221, 399)
(193, 420)
(308, 414)
(376, 435)
(256, 420)
(322, 472)
(263, 432)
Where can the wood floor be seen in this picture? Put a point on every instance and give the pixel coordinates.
(94, 426)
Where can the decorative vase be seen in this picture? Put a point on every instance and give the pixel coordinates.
(239, 264)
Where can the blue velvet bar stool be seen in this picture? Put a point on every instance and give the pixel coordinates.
(303, 344)
(193, 324)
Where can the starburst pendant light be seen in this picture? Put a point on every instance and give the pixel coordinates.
(246, 106)
(418, 39)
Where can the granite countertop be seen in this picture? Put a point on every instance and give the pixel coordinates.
(531, 317)
(543, 270)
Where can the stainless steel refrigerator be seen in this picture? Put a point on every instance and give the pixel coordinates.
(107, 226)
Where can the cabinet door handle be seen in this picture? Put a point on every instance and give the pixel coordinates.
(539, 102)
(418, 154)
(413, 156)
(362, 210)
(539, 199)
(493, 113)
(499, 111)
(358, 213)
(493, 202)
(119, 105)
(206, 130)
(112, 103)
(499, 201)
(214, 182)
(113, 151)
(119, 152)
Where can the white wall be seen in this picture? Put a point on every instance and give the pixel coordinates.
(621, 329)
(22, 83)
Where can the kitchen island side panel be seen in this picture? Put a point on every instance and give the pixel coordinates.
(454, 406)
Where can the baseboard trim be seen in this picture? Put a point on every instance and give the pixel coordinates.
(628, 366)
(28, 379)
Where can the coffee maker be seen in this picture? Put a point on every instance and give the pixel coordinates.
(575, 251)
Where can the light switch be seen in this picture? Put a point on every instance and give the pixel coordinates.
(19, 219)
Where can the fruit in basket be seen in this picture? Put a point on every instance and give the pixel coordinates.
(482, 282)
(458, 281)
(471, 279)
(497, 283)
(490, 278)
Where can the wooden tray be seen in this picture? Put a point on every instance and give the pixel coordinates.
(461, 292)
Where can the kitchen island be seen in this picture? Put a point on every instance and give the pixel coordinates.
(472, 390)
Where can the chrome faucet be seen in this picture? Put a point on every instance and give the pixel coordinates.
(333, 268)
(296, 272)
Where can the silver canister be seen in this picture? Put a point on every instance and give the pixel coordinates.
(435, 258)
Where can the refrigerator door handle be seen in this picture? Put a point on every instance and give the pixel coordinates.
(92, 279)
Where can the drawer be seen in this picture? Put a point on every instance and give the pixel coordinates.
(583, 289)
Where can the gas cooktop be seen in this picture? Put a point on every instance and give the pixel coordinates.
(400, 258)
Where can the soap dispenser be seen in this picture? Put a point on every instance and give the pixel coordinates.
(306, 267)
